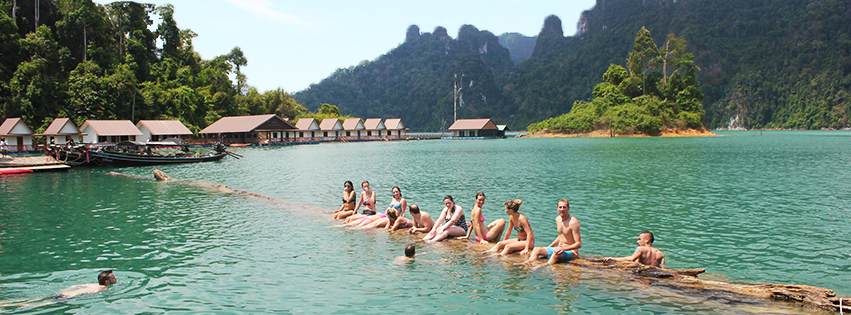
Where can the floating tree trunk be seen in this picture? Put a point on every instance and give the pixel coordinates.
(804, 295)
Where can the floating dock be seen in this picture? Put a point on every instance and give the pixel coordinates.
(29, 164)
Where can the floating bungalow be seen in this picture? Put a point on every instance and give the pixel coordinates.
(156, 130)
(60, 130)
(331, 128)
(475, 129)
(502, 129)
(307, 128)
(18, 136)
(255, 129)
(395, 127)
(109, 131)
(374, 127)
(353, 127)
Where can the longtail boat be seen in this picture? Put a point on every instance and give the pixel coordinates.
(133, 153)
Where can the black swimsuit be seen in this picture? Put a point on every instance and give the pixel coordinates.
(462, 222)
(519, 229)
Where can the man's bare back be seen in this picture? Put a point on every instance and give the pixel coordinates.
(650, 256)
(645, 253)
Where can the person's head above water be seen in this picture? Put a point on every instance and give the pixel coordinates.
(106, 278)
(410, 250)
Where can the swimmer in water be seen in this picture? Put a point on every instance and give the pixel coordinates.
(645, 253)
(105, 278)
(410, 251)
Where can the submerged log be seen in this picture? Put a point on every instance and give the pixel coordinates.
(803, 295)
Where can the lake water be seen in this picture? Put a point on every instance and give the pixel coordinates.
(749, 207)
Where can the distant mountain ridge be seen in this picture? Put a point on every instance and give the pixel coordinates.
(519, 46)
(775, 64)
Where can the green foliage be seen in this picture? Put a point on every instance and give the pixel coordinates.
(637, 101)
(87, 61)
(325, 111)
(414, 81)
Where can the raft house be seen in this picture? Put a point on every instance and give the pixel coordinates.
(475, 129)
(156, 130)
(109, 131)
(255, 130)
(60, 130)
(395, 128)
(331, 129)
(18, 136)
(353, 128)
(308, 129)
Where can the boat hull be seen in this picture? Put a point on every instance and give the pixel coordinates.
(111, 159)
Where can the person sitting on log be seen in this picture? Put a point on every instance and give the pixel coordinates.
(568, 239)
(645, 253)
(525, 240)
(422, 221)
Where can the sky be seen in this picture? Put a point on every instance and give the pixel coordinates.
(292, 44)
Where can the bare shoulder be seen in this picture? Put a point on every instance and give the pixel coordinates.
(78, 290)
(574, 222)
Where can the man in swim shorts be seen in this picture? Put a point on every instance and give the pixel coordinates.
(565, 246)
(645, 253)
(422, 220)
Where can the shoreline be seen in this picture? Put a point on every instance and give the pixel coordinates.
(607, 133)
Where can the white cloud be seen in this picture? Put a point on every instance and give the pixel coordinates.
(264, 8)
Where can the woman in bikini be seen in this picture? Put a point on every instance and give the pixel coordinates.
(349, 199)
(525, 240)
(453, 222)
(388, 218)
(396, 211)
(484, 234)
(367, 200)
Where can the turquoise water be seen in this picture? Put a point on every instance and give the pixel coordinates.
(772, 208)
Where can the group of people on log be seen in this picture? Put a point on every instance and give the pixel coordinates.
(452, 223)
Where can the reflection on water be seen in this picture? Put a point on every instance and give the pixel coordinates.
(749, 208)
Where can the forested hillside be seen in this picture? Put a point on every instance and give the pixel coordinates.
(81, 60)
(520, 46)
(414, 81)
(775, 63)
